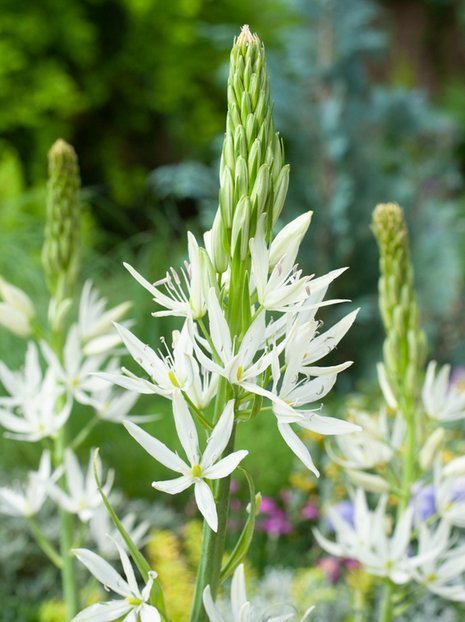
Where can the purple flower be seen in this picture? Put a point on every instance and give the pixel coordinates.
(424, 502)
(276, 521)
(309, 511)
(345, 509)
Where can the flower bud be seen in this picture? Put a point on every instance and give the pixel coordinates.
(368, 481)
(454, 468)
(430, 448)
(280, 193)
(240, 228)
(289, 238)
(60, 252)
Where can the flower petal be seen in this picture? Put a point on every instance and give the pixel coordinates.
(226, 466)
(156, 448)
(103, 572)
(206, 503)
(103, 612)
(297, 446)
(219, 437)
(174, 486)
(185, 427)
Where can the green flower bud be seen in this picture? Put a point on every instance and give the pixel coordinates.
(60, 252)
(404, 348)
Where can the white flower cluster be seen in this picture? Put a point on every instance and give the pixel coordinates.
(422, 544)
(278, 358)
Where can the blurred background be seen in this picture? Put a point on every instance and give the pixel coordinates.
(369, 97)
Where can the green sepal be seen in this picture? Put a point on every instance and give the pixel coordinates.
(156, 596)
(245, 539)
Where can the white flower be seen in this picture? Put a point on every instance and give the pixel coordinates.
(135, 602)
(282, 288)
(443, 573)
(22, 385)
(76, 372)
(186, 295)
(449, 495)
(83, 497)
(241, 609)
(28, 500)
(38, 417)
(367, 540)
(441, 401)
(16, 309)
(238, 368)
(95, 323)
(374, 445)
(198, 468)
(168, 373)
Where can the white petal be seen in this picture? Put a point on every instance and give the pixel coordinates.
(210, 607)
(103, 612)
(103, 572)
(219, 437)
(297, 446)
(139, 385)
(219, 329)
(185, 427)
(206, 503)
(148, 613)
(328, 425)
(156, 449)
(238, 591)
(174, 486)
(226, 466)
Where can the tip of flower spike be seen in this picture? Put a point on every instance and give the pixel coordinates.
(246, 37)
(60, 148)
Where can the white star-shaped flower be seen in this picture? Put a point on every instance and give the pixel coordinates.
(441, 400)
(135, 602)
(199, 468)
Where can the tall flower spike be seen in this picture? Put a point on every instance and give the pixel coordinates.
(253, 176)
(60, 253)
(405, 343)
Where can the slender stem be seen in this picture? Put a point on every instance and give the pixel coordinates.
(386, 611)
(211, 556)
(408, 469)
(68, 574)
(44, 543)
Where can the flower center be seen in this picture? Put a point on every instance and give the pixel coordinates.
(197, 470)
(134, 601)
(239, 372)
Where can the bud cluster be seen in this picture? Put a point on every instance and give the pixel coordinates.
(60, 253)
(253, 176)
(405, 344)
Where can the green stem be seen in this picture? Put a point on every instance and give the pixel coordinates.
(84, 433)
(408, 470)
(44, 543)
(211, 555)
(386, 611)
(68, 574)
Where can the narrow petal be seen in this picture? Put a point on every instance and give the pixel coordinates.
(156, 448)
(210, 607)
(220, 436)
(103, 612)
(238, 591)
(226, 466)
(103, 572)
(328, 425)
(206, 503)
(185, 427)
(297, 446)
(173, 486)
(219, 329)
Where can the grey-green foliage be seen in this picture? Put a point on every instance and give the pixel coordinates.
(353, 143)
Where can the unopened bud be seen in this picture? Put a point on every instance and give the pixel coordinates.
(368, 481)
(289, 238)
(218, 243)
(261, 189)
(240, 228)
(455, 468)
(60, 253)
(430, 448)
(226, 196)
(280, 192)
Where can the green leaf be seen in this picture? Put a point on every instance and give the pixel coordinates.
(140, 561)
(245, 539)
